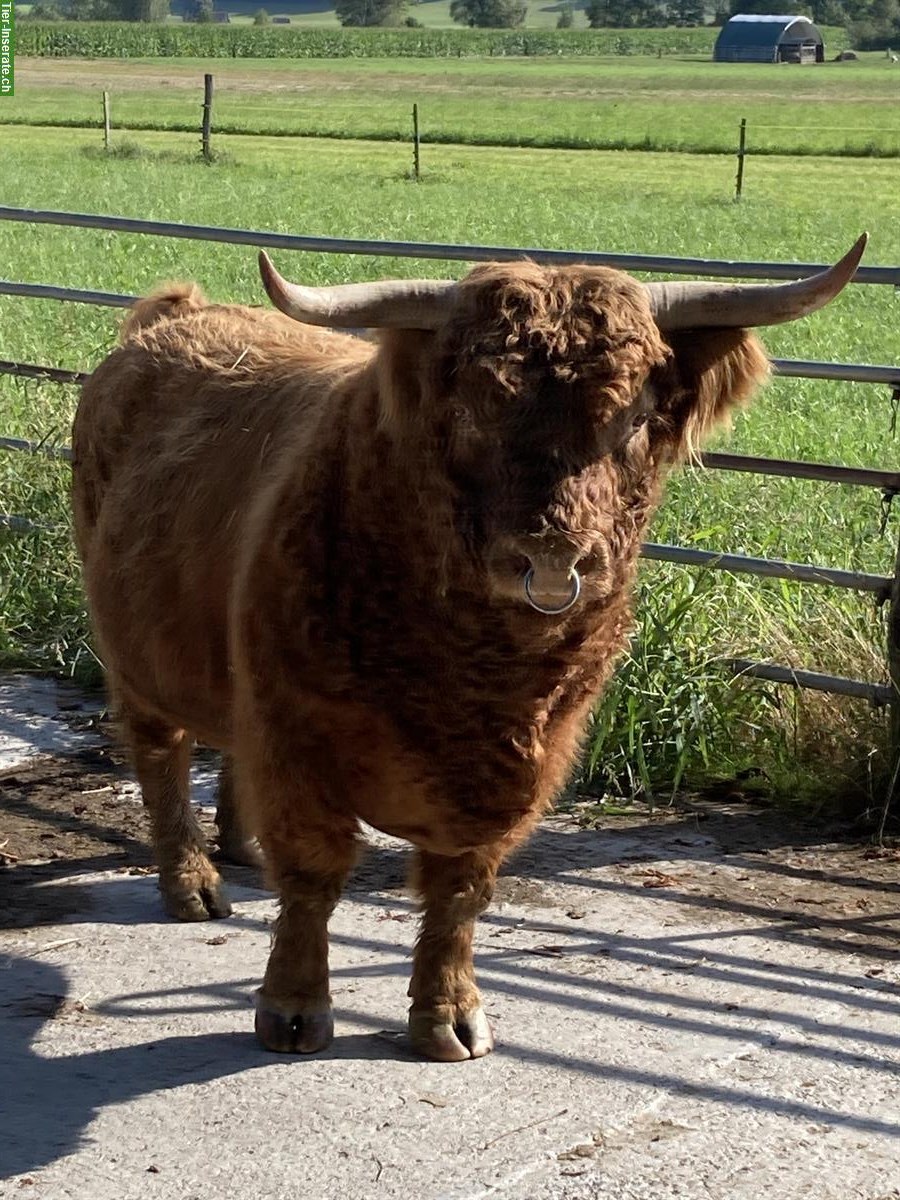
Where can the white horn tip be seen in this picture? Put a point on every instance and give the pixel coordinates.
(844, 270)
(859, 246)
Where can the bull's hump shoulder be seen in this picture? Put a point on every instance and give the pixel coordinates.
(245, 345)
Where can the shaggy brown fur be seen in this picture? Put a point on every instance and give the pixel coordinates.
(308, 550)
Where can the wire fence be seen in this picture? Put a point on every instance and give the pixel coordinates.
(885, 588)
(305, 114)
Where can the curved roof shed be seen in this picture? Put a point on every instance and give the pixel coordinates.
(749, 37)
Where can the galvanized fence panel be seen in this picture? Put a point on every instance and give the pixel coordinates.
(447, 252)
(884, 587)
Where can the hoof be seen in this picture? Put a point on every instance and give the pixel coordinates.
(468, 1036)
(293, 1032)
(204, 902)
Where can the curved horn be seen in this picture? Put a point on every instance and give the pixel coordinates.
(396, 303)
(730, 305)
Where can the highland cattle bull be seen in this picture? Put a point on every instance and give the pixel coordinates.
(388, 580)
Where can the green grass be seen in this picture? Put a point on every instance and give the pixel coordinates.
(673, 713)
(613, 103)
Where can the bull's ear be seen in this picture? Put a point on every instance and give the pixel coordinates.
(711, 372)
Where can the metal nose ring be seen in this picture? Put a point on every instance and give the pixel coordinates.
(552, 612)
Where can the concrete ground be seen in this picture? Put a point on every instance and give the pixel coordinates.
(680, 1011)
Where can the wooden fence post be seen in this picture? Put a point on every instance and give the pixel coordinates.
(207, 117)
(416, 142)
(106, 121)
(739, 184)
(893, 657)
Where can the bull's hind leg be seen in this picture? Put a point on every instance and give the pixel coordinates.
(236, 843)
(293, 1008)
(191, 886)
(446, 1020)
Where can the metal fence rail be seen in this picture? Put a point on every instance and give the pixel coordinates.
(49, 291)
(42, 374)
(888, 481)
(50, 451)
(770, 568)
(448, 252)
(790, 368)
(876, 693)
(884, 587)
(794, 368)
(23, 525)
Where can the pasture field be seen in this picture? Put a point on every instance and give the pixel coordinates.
(608, 103)
(678, 711)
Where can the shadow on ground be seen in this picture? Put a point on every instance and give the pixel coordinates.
(56, 1096)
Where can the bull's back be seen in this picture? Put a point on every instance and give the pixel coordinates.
(178, 435)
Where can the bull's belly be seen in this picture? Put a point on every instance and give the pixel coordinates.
(446, 796)
(183, 682)
(205, 717)
(158, 600)
(402, 793)
(441, 829)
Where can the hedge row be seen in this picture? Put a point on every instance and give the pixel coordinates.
(132, 40)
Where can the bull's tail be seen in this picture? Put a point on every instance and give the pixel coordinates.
(166, 303)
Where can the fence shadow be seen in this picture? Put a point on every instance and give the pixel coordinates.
(555, 857)
(56, 1097)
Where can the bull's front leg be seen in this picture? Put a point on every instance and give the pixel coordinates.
(293, 1006)
(446, 1020)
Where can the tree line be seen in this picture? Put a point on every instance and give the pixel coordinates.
(871, 24)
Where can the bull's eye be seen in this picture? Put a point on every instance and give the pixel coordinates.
(463, 417)
(639, 421)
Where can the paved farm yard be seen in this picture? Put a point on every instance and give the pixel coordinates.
(699, 1004)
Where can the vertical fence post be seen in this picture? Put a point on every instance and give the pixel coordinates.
(106, 121)
(207, 117)
(739, 182)
(416, 141)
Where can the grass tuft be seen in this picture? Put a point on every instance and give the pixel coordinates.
(128, 150)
